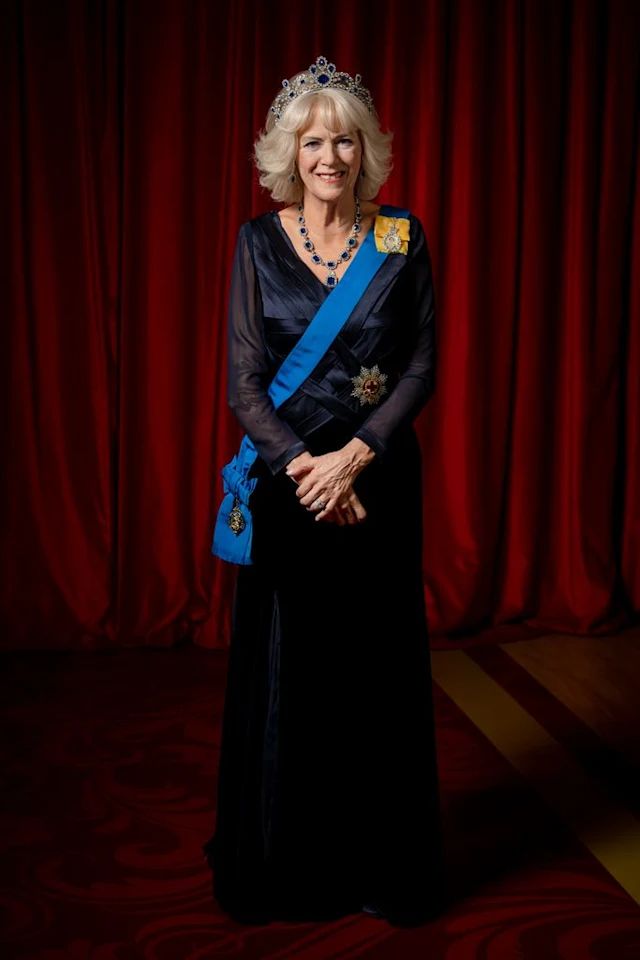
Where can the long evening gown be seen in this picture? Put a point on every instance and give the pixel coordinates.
(328, 783)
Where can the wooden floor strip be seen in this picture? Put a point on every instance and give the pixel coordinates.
(609, 830)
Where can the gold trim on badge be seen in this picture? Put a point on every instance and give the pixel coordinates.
(369, 385)
(391, 234)
(236, 521)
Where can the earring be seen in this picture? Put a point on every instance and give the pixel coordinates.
(362, 173)
(292, 178)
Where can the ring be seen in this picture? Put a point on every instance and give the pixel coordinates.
(319, 503)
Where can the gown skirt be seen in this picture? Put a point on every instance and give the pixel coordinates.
(327, 794)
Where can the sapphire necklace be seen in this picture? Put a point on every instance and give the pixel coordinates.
(331, 265)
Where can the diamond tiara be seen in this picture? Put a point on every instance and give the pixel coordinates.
(321, 75)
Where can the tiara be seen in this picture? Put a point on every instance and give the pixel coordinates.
(321, 75)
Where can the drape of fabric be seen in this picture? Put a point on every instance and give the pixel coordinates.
(328, 791)
(126, 177)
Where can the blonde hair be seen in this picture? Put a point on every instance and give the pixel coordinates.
(276, 148)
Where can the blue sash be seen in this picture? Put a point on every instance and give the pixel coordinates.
(233, 533)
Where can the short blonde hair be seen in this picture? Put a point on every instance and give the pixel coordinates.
(276, 148)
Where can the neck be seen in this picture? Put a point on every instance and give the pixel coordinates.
(332, 216)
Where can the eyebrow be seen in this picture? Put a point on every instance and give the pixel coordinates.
(316, 136)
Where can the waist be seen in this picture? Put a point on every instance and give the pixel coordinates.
(335, 434)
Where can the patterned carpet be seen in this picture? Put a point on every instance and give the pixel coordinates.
(109, 763)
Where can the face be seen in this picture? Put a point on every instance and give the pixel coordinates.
(328, 160)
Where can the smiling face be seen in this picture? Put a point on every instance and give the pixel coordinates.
(328, 161)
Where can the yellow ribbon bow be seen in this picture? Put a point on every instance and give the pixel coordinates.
(391, 234)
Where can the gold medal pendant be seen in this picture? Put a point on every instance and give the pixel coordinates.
(392, 234)
(236, 521)
(369, 385)
(392, 240)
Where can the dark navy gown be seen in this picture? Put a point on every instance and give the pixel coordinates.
(327, 793)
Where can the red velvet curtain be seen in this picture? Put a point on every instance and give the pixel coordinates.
(128, 134)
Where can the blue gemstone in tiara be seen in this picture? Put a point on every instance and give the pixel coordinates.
(321, 75)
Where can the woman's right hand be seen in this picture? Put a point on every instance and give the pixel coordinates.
(349, 510)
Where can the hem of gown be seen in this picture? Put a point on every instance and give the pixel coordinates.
(265, 909)
(265, 906)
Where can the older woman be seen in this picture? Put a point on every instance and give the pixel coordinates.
(328, 787)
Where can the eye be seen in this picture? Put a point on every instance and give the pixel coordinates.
(346, 140)
(311, 143)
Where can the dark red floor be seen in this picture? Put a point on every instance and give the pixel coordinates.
(109, 764)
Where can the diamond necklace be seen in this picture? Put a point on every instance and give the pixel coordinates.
(331, 265)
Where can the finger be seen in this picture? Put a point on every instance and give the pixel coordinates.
(305, 485)
(349, 514)
(331, 516)
(357, 506)
(306, 491)
(315, 506)
(298, 472)
(344, 515)
(327, 509)
(351, 508)
(339, 517)
(359, 511)
(314, 503)
(316, 493)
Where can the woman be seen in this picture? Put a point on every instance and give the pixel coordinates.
(328, 787)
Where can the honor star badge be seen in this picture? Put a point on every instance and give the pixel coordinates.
(369, 385)
(391, 234)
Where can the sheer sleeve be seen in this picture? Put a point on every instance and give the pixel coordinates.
(248, 366)
(417, 381)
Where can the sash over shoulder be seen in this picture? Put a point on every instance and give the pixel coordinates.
(233, 533)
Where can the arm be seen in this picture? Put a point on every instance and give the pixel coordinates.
(417, 382)
(247, 390)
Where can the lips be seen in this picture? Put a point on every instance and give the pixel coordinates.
(330, 177)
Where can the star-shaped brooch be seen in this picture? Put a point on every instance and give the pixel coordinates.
(369, 385)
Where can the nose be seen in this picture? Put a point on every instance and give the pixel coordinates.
(329, 153)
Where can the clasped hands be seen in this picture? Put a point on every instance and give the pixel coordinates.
(329, 477)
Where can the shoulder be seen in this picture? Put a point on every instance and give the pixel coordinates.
(417, 238)
(396, 210)
(255, 230)
(258, 222)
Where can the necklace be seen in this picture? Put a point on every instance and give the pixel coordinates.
(331, 265)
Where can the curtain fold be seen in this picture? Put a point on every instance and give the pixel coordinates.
(126, 174)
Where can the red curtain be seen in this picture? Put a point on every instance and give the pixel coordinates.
(128, 171)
